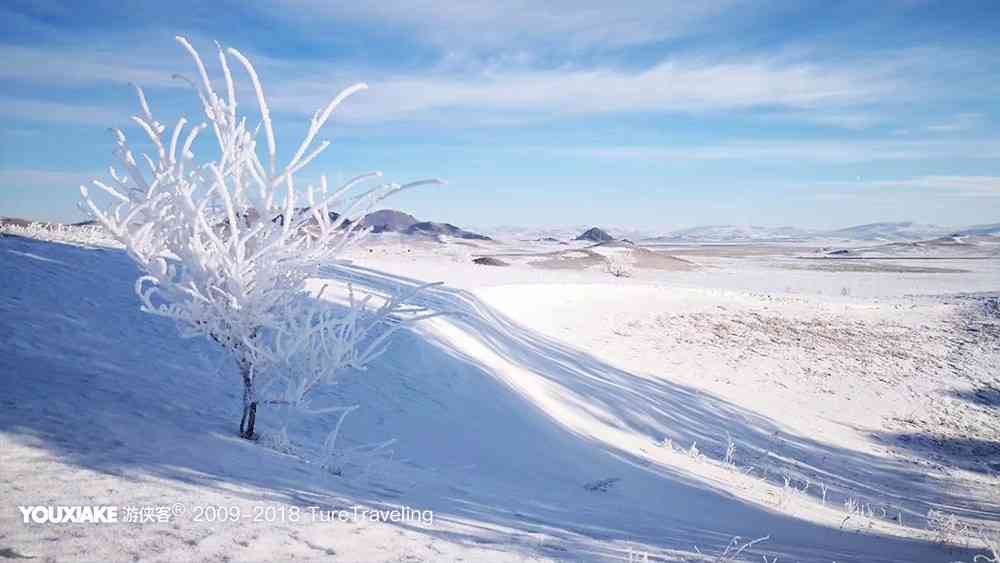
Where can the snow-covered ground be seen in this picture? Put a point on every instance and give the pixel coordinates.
(556, 414)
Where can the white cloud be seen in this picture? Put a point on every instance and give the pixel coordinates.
(44, 110)
(45, 179)
(86, 65)
(939, 188)
(677, 85)
(855, 120)
(506, 92)
(476, 24)
(511, 88)
(828, 152)
(958, 123)
(959, 186)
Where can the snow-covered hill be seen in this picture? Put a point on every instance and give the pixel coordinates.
(524, 446)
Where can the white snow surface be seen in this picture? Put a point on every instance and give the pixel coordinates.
(554, 415)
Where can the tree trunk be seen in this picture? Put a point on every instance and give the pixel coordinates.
(248, 420)
(249, 403)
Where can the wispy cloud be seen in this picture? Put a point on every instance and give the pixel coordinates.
(805, 88)
(677, 85)
(505, 96)
(937, 188)
(850, 119)
(84, 65)
(68, 112)
(516, 89)
(472, 24)
(958, 123)
(957, 186)
(827, 152)
(45, 179)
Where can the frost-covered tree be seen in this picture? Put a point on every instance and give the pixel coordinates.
(620, 265)
(227, 245)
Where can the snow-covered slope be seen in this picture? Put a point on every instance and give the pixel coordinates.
(524, 446)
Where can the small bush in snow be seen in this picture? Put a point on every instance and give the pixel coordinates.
(949, 528)
(991, 540)
(602, 485)
(693, 452)
(737, 546)
(946, 527)
(620, 266)
(226, 245)
(730, 458)
(86, 235)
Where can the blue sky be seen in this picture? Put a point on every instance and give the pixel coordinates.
(655, 114)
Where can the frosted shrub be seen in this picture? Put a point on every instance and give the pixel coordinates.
(946, 527)
(620, 266)
(86, 235)
(735, 549)
(730, 458)
(991, 541)
(694, 453)
(227, 245)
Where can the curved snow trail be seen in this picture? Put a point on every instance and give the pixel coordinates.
(500, 431)
(607, 426)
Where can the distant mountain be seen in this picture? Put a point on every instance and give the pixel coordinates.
(901, 231)
(428, 228)
(596, 235)
(979, 230)
(873, 232)
(958, 245)
(510, 232)
(389, 220)
(560, 232)
(392, 221)
(735, 233)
